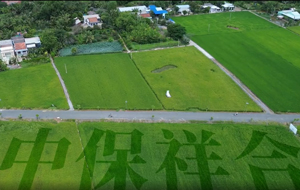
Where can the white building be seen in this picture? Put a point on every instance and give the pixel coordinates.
(6, 50)
(213, 8)
(290, 13)
(227, 6)
(92, 20)
(183, 8)
(34, 42)
(141, 9)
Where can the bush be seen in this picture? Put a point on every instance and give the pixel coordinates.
(3, 66)
(176, 31)
(185, 40)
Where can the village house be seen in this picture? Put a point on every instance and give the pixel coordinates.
(91, 20)
(183, 8)
(33, 42)
(158, 10)
(19, 46)
(6, 50)
(213, 8)
(141, 9)
(227, 7)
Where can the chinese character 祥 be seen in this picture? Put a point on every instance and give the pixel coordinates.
(172, 162)
(257, 172)
(118, 168)
(35, 156)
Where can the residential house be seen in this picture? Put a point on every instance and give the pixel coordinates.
(34, 42)
(91, 20)
(183, 8)
(213, 8)
(227, 6)
(19, 45)
(141, 9)
(6, 50)
(158, 10)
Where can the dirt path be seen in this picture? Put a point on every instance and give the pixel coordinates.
(128, 51)
(63, 85)
(235, 79)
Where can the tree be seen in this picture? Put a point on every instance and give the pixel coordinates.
(176, 9)
(49, 40)
(176, 31)
(3, 66)
(2, 4)
(74, 50)
(194, 7)
(184, 12)
(152, 14)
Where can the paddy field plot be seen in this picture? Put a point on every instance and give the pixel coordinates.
(105, 82)
(40, 155)
(264, 57)
(31, 87)
(295, 29)
(193, 80)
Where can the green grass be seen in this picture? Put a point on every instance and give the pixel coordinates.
(196, 83)
(31, 87)
(106, 81)
(136, 46)
(65, 173)
(295, 29)
(130, 155)
(262, 55)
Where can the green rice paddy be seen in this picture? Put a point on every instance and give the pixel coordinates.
(262, 55)
(106, 155)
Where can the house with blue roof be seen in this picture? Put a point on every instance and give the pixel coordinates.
(158, 10)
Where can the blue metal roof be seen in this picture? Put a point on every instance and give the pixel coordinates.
(153, 8)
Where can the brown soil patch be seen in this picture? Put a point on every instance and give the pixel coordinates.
(232, 27)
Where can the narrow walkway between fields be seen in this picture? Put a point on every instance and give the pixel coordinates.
(235, 79)
(63, 85)
(124, 43)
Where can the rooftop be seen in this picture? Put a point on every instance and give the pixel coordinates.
(20, 46)
(91, 16)
(147, 15)
(290, 13)
(5, 43)
(140, 8)
(157, 10)
(93, 20)
(35, 40)
(183, 6)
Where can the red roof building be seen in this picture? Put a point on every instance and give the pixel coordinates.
(20, 46)
(146, 15)
(93, 20)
